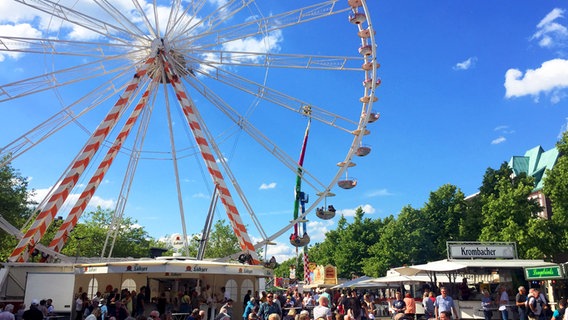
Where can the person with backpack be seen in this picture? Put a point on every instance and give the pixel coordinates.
(533, 305)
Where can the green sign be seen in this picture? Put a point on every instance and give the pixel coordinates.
(543, 273)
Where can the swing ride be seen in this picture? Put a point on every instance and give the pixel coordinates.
(192, 96)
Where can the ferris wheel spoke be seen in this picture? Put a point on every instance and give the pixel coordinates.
(182, 22)
(261, 139)
(60, 78)
(266, 25)
(254, 133)
(175, 7)
(293, 61)
(217, 16)
(65, 47)
(144, 18)
(118, 16)
(107, 30)
(69, 114)
(278, 98)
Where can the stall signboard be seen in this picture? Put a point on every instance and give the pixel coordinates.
(543, 273)
(481, 251)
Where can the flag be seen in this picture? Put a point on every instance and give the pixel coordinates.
(306, 266)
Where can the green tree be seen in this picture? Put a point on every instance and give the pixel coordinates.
(89, 236)
(556, 189)
(472, 222)
(222, 241)
(323, 253)
(354, 242)
(346, 247)
(403, 241)
(283, 268)
(15, 205)
(507, 212)
(442, 216)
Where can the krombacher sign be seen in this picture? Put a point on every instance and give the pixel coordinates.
(537, 273)
(493, 250)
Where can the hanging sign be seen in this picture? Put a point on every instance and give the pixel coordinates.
(540, 273)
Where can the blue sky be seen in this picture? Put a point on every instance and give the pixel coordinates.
(465, 86)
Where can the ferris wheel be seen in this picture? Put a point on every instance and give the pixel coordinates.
(218, 91)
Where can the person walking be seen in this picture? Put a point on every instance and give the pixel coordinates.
(445, 303)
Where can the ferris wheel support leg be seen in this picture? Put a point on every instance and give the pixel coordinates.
(63, 233)
(195, 123)
(44, 219)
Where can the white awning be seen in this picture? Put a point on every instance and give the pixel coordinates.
(446, 265)
(436, 266)
(352, 283)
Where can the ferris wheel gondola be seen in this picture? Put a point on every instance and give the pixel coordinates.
(327, 211)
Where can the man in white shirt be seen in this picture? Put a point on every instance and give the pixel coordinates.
(322, 310)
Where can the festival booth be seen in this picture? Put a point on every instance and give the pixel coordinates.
(322, 277)
(480, 266)
(173, 276)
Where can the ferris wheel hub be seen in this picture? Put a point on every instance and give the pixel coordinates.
(174, 57)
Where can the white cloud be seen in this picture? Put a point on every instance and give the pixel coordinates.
(267, 186)
(318, 228)
(504, 129)
(280, 251)
(378, 193)
(14, 12)
(18, 30)
(96, 201)
(549, 79)
(550, 33)
(200, 195)
(80, 33)
(367, 208)
(501, 127)
(499, 140)
(268, 43)
(466, 65)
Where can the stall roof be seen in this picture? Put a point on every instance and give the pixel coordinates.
(449, 265)
(436, 266)
(351, 283)
(401, 279)
(504, 263)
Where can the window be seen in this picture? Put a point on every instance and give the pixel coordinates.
(246, 286)
(93, 287)
(128, 284)
(231, 289)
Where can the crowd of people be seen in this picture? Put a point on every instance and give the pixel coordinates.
(287, 305)
(38, 310)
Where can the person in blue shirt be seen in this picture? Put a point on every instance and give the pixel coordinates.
(486, 305)
(445, 303)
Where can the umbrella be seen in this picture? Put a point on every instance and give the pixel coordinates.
(400, 279)
(352, 283)
(436, 266)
